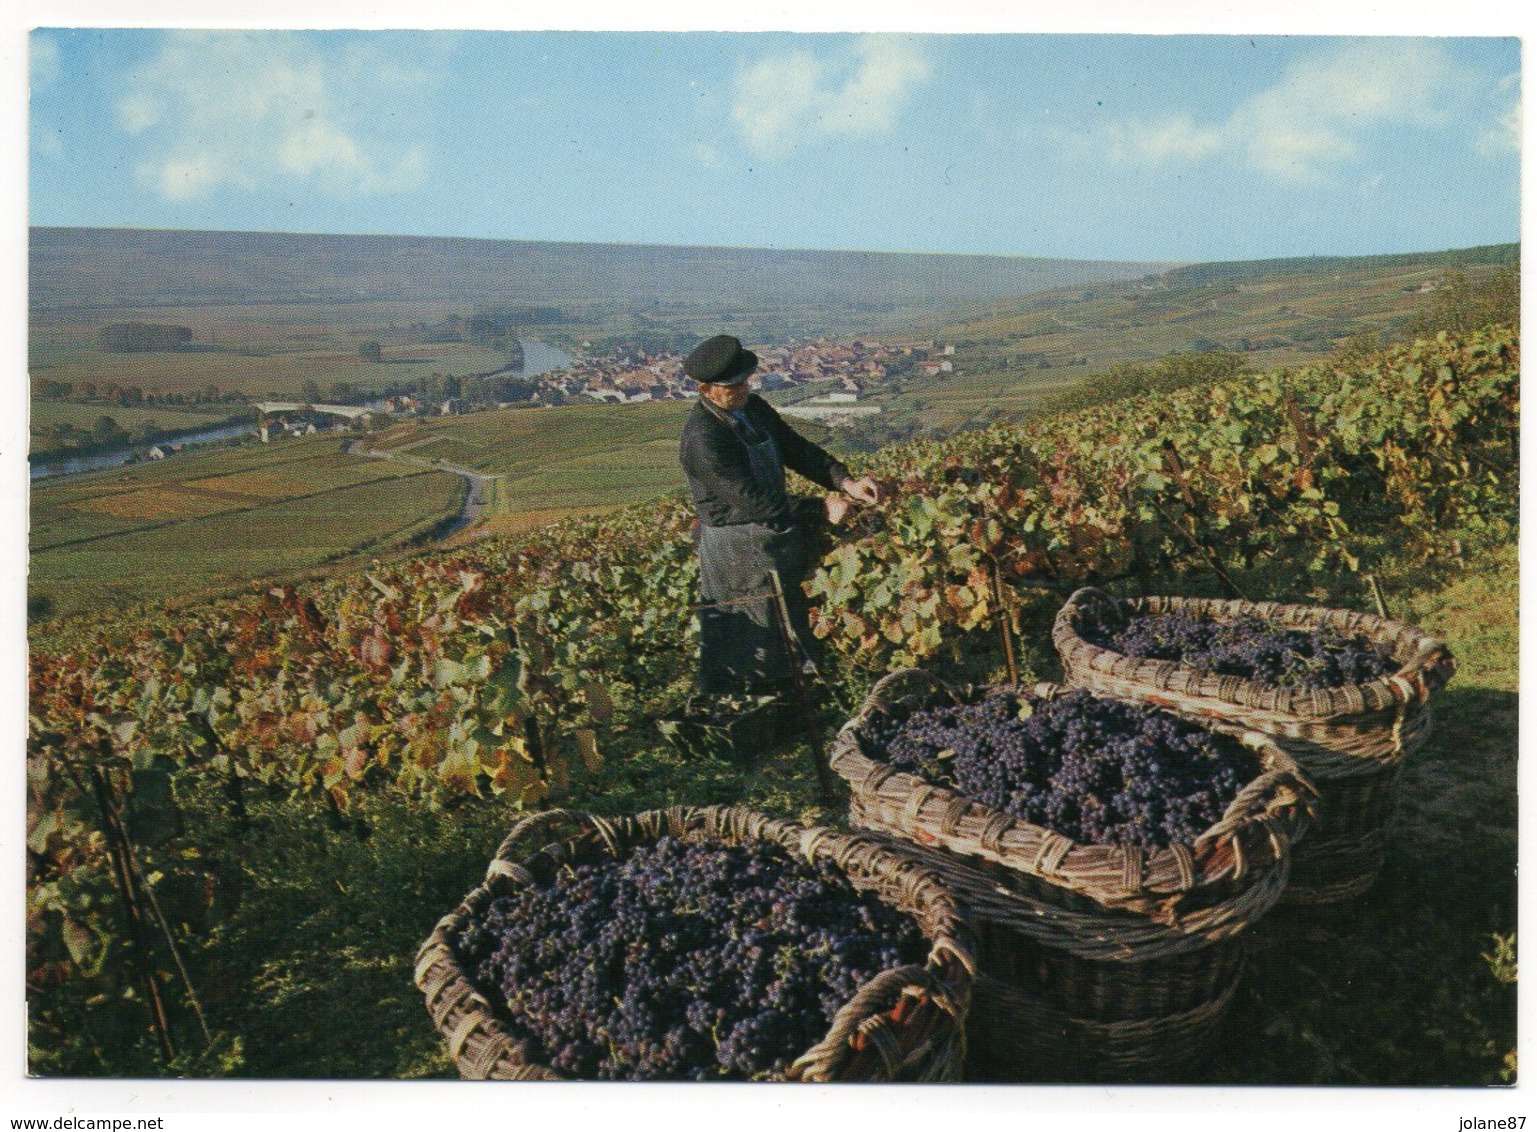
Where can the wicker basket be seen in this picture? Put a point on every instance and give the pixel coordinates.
(1096, 962)
(906, 1024)
(1351, 741)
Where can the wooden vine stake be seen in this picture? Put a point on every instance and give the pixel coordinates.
(802, 692)
(1003, 624)
(1137, 567)
(133, 913)
(1176, 469)
(1376, 591)
(1304, 436)
(136, 891)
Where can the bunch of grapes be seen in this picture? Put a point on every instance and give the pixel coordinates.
(1249, 648)
(1100, 771)
(683, 961)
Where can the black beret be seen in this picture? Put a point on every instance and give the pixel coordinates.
(720, 361)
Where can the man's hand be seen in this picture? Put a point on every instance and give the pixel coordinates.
(862, 490)
(837, 507)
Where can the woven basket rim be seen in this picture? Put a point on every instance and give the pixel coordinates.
(1426, 671)
(1154, 881)
(941, 987)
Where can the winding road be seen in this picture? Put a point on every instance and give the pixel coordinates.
(474, 500)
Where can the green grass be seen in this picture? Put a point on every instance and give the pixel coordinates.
(576, 457)
(210, 522)
(520, 441)
(1395, 989)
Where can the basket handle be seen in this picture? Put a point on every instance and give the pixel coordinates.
(895, 1012)
(893, 685)
(543, 828)
(1431, 668)
(1082, 601)
(1276, 823)
(909, 686)
(1087, 595)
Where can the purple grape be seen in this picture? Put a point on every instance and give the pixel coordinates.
(1246, 647)
(1101, 771)
(683, 961)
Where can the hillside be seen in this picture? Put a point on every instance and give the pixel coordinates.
(1012, 355)
(340, 757)
(787, 291)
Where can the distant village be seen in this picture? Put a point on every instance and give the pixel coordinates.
(849, 373)
(630, 376)
(857, 368)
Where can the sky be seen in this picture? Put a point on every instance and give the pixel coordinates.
(1130, 147)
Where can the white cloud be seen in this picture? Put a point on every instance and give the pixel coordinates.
(44, 60)
(184, 178)
(1505, 135)
(139, 111)
(1315, 118)
(1173, 138)
(792, 99)
(250, 110)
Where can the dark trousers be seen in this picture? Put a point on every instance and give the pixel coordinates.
(741, 644)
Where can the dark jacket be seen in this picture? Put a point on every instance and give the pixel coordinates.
(715, 461)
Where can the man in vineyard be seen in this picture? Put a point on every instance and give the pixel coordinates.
(734, 451)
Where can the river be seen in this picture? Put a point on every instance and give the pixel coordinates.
(541, 357)
(77, 464)
(538, 358)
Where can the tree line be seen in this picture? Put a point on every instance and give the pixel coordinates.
(139, 337)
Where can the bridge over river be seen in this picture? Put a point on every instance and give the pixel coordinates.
(351, 412)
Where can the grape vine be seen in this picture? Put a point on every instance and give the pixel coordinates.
(498, 670)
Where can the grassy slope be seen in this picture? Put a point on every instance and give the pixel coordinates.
(1291, 313)
(212, 521)
(1395, 989)
(523, 442)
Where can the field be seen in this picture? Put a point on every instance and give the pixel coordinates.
(214, 521)
(569, 458)
(262, 351)
(517, 443)
(46, 414)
